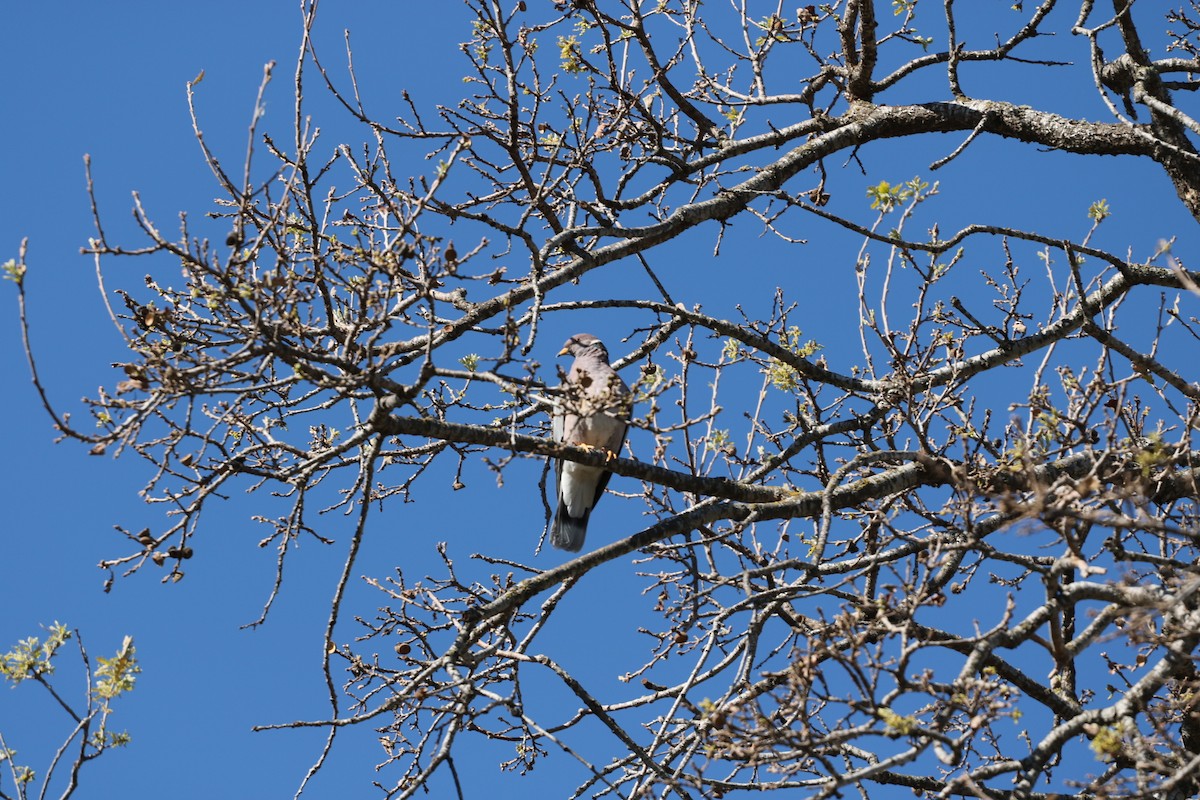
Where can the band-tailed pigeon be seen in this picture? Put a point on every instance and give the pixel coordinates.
(593, 411)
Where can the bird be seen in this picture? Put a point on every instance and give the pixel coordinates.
(593, 411)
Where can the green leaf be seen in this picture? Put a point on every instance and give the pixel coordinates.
(32, 658)
(116, 675)
(13, 271)
(1099, 211)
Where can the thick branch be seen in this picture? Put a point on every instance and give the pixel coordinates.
(520, 443)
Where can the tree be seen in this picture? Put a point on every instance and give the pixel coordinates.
(91, 733)
(952, 555)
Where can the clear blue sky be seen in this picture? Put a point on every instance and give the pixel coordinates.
(109, 79)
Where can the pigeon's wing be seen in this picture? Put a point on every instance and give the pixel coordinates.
(557, 430)
(614, 442)
(567, 532)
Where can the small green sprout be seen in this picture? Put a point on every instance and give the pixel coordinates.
(31, 658)
(1099, 211)
(13, 271)
(570, 55)
(896, 724)
(116, 675)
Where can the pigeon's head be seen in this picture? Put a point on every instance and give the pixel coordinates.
(581, 343)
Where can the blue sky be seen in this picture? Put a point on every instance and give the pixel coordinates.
(109, 80)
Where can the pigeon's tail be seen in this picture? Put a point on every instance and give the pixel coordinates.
(568, 532)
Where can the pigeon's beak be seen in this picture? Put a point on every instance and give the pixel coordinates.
(564, 351)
